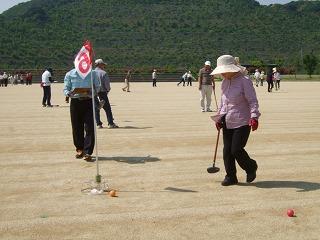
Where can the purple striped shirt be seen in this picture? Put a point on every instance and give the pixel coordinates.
(239, 102)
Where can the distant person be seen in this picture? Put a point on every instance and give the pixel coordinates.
(238, 114)
(11, 79)
(81, 112)
(1, 80)
(154, 78)
(190, 78)
(5, 79)
(183, 79)
(269, 79)
(262, 78)
(16, 79)
(127, 81)
(276, 78)
(23, 76)
(104, 89)
(46, 80)
(29, 78)
(243, 69)
(206, 86)
(257, 77)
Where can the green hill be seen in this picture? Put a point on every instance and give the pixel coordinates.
(157, 33)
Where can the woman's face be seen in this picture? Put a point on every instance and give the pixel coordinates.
(229, 75)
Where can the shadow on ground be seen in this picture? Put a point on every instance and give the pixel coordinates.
(180, 190)
(130, 160)
(129, 127)
(300, 185)
(167, 189)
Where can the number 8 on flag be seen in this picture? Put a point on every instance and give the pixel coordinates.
(83, 61)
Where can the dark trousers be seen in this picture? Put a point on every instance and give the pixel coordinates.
(106, 107)
(189, 82)
(234, 141)
(270, 86)
(277, 84)
(5, 81)
(1, 83)
(82, 125)
(182, 81)
(28, 82)
(46, 95)
(154, 82)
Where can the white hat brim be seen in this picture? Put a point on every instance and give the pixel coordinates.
(225, 69)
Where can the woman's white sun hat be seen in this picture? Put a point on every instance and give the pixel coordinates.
(225, 63)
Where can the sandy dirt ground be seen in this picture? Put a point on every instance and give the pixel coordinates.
(157, 161)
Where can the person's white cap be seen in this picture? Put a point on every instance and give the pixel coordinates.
(257, 70)
(208, 63)
(225, 63)
(99, 61)
(274, 69)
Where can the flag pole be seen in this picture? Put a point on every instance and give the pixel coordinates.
(98, 176)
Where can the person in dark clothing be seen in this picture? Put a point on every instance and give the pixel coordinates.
(237, 115)
(269, 79)
(103, 94)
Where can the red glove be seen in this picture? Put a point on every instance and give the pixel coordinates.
(218, 125)
(253, 123)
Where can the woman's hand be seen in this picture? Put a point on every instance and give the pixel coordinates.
(218, 125)
(253, 123)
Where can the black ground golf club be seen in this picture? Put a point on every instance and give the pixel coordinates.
(214, 169)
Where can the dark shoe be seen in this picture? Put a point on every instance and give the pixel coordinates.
(113, 125)
(49, 106)
(100, 126)
(87, 158)
(79, 154)
(251, 176)
(229, 181)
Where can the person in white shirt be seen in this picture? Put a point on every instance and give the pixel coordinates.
(262, 78)
(5, 79)
(190, 78)
(11, 79)
(244, 70)
(46, 81)
(154, 78)
(257, 77)
(276, 78)
(183, 79)
(1, 80)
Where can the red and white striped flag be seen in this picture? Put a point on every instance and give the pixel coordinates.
(83, 61)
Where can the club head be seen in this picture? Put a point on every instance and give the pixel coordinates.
(213, 169)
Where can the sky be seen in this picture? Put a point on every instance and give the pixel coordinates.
(6, 4)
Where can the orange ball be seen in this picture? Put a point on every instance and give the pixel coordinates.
(113, 193)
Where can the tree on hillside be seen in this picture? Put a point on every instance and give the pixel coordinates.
(310, 62)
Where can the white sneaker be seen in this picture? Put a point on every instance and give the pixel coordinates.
(202, 110)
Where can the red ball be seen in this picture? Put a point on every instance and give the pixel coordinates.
(290, 212)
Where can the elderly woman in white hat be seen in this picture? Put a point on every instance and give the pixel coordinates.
(237, 115)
